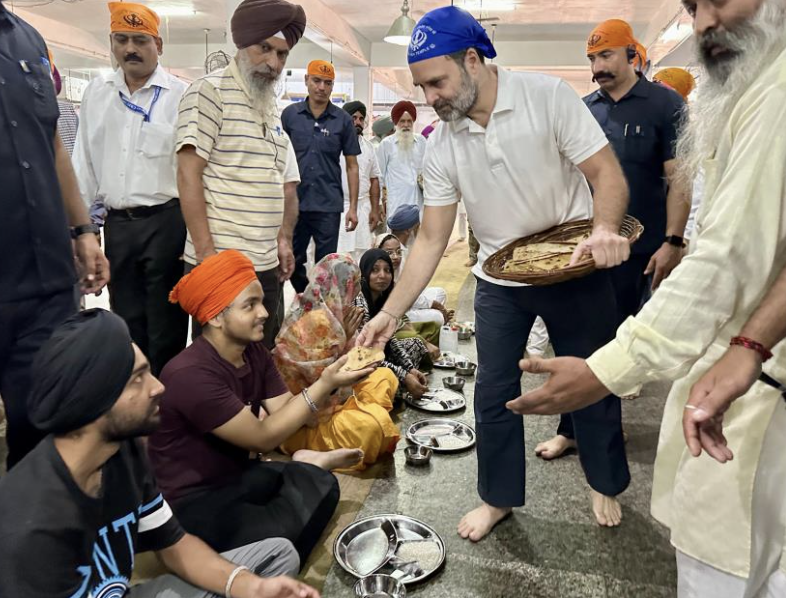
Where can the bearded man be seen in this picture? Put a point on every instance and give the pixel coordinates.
(514, 185)
(727, 520)
(401, 160)
(237, 170)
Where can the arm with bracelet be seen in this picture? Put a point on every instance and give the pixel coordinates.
(734, 374)
(287, 412)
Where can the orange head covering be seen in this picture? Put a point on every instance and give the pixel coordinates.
(213, 285)
(321, 69)
(677, 79)
(614, 33)
(127, 17)
(640, 61)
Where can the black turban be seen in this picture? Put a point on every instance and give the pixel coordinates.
(80, 372)
(356, 106)
(256, 20)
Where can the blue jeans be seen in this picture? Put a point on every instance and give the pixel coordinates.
(323, 227)
(581, 317)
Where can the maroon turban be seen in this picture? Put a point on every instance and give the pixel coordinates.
(256, 20)
(402, 107)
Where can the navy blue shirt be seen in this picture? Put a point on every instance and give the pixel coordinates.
(36, 258)
(642, 128)
(319, 143)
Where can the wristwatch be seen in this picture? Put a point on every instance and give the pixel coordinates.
(675, 240)
(84, 229)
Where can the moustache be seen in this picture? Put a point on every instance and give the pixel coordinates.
(602, 75)
(133, 58)
(359, 130)
(717, 40)
(265, 72)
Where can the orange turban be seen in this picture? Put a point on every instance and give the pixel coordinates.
(321, 69)
(679, 80)
(614, 33)
(213, 285)
(640, 62)
(127, 17)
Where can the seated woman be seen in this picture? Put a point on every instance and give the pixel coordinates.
(430, 306)
(319, 328)
(402, 355)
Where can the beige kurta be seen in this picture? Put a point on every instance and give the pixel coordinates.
(738, 250)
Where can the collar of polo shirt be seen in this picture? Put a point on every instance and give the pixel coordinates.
(505, 103)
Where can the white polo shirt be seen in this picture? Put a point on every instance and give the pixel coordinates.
(518, 176)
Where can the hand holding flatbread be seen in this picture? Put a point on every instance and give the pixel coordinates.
(360, 358)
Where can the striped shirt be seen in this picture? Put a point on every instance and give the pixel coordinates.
(248, 163)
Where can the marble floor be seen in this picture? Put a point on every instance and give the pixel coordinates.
(550, 548)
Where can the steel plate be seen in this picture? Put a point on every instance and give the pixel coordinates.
(442, 435)
(438, 400)
(389, 545)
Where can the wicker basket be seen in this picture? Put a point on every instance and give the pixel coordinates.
(631, 229)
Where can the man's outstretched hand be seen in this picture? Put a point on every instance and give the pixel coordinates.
(379, 330)
(571, 385)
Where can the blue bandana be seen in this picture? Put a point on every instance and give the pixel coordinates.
(447, 30)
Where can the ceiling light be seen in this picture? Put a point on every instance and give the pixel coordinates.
(400, 31)
(174, 11)
(487, 5)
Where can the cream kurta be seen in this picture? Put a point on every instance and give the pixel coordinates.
(738, 250)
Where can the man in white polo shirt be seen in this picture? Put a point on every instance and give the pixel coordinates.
(516, 147)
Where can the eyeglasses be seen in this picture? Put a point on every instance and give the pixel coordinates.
(393, 252)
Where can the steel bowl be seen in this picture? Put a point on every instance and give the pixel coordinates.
(466, 368)
(464, 335)
(454, 383)
(417, 455)
(380, 586)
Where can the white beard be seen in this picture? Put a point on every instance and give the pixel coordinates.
(406, 140)
(758, 42)
(263, 92)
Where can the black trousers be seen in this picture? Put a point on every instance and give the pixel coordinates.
(580, 316)
(323, 227)
(145, 260)
(273, 302)
(24, 327)
(271, 500)
(631, 285)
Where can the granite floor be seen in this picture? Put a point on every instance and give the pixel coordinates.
(552, 546)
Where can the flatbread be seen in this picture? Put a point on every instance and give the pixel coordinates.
(528, 252)
(360, 358)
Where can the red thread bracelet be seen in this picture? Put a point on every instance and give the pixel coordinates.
(743, 341)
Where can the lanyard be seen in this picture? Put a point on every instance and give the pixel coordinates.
(138, 109)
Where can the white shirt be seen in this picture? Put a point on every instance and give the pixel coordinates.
(399, 172)
(119, 158)
(518, 176)
(368, 169)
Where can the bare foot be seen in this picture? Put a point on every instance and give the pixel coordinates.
(476, 524)
(631, 397)
(470, 263)
(625, 437)
(607, 509)
(330, 460)
(554, 448)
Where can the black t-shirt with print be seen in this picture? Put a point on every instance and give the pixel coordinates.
(56, 541)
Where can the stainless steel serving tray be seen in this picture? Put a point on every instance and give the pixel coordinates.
(442, 435)
(395, 545)
(438, 400)
(447, 361)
